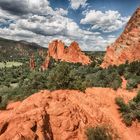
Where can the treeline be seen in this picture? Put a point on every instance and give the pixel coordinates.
(63, 75)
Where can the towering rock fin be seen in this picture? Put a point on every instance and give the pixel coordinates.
(127, 46)
(58, 51)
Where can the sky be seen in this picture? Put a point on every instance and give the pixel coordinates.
(94, 24)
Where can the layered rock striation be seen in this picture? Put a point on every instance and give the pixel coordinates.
(127, 46)
(58, 51)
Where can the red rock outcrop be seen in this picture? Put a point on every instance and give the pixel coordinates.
(32, 62)
(45, 64)
(73, 53)
(127, 46)
(65, 115)
(41, 52)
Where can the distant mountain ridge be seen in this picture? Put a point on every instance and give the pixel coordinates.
(16, 49)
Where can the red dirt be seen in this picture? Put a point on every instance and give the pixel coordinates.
(65, 115)
(124, 82)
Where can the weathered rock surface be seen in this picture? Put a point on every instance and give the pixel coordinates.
(64, 115)
(127, 46)
(45, 64)
(59, 51)
(32, 62)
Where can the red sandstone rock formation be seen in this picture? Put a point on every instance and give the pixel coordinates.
(65, 115)
(73, 53)
(127, 46)
(32, 62)
(45, 64)
(41, 52)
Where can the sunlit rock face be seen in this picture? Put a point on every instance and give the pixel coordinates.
(32, 62)
(58, 51)
(127, 46)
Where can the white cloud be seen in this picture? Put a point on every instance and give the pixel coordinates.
(24, 7)
(75, 4)
(43, 24)
(5, 15)
(21, 7)
(107, 21)
(42, 30)
(61, 11)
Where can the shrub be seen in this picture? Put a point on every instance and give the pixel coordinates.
(58, 77)
(137, 98)
(121, 69)
(132, 83)
(120, 102)
(116, 83)
(130, 111)
(4, 92)
(98, 133)
(0, 99)
(127, 119)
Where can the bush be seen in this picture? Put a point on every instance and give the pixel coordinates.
(132, 83)
(99, 133)
(131, 72)
(0, 99)
(120, 102)
(4, 93)
(58, 77)
(130, 111)
(137, 98)
(127, 119)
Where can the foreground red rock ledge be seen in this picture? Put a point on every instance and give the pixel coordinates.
(59, 51)
(127, 46)
(65, 115)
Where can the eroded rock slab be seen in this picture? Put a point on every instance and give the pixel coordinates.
(65, 115)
